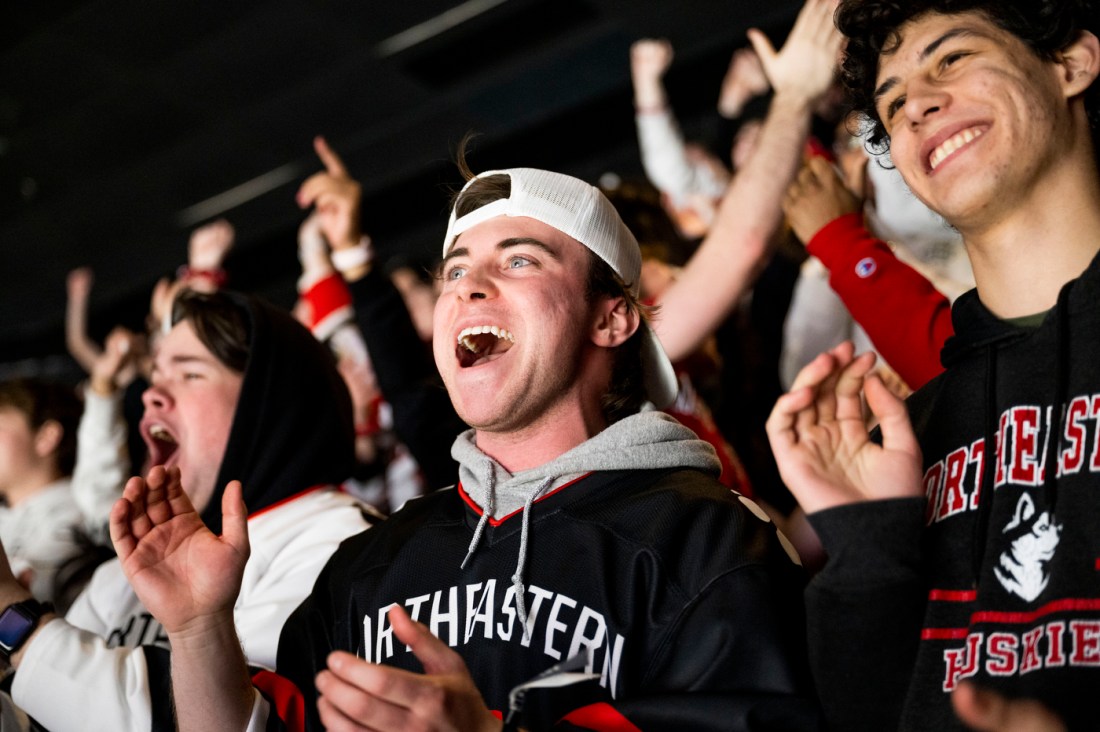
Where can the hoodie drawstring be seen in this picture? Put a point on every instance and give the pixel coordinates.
(1058, 411)
(517, 578)
(490, 504)
(989, 465)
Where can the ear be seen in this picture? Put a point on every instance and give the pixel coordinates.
(48, 437)
(615, 322)
(1080, 62)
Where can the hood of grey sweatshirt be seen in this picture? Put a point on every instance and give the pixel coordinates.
(640, 441)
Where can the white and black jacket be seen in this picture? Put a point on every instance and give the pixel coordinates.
(106, 665)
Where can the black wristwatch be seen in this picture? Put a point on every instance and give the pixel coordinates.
(17, 622)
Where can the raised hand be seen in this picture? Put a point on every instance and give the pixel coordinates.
(744, 80)
(336, 196)
(118, 352)
(820, 441)
(160, 304)
(209, 244)
(183, 574)
(649, 60)
(804, 68)
(356, 695)
(313, 250)
(78, 286)
(816, 197)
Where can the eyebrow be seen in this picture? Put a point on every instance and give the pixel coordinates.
(179, 359)
(928, 50)
(519, 241)
(503, 245)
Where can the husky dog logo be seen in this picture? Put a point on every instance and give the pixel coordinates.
(1022, 569)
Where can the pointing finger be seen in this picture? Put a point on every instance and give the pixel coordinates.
(332, 162)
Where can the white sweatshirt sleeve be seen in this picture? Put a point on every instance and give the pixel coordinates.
(102, 460)
(72, 680)
(663, 155)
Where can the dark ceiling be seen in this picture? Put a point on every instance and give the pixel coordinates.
(126, 123)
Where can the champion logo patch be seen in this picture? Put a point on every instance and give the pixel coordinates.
(866, 267)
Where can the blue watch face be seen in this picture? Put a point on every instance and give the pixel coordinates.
(15, 626)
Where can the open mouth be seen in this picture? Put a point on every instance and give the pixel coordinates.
(482, 343)
(162, 444)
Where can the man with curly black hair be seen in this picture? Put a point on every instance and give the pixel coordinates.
(968, 577)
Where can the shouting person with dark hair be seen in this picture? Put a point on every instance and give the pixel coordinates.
(967, 578)
(240, 392)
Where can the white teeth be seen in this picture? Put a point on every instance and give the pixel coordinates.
(952, 144)
(465, 336)
(158, 432)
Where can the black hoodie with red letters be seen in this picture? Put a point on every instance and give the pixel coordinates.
(998, 586)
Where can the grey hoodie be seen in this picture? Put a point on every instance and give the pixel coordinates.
(647, 440)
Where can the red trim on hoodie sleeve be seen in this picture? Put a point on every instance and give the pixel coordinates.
(601, 717)
(331, 305)
(907, 318)
(285, 698)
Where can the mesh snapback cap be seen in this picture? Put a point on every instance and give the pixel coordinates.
(582, 212)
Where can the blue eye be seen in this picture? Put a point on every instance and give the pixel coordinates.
(516, 262)
(454, 273)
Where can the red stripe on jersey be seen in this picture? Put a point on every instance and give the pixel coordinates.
(497, 522)
(1069, 604)
(601, 717)
(953, 595)
(285, 697)
(288, 499)
(943, 633)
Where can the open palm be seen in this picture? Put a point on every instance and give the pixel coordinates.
(179, 569)
(821, 444)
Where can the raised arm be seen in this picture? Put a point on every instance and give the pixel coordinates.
(728, 259)
(82, 348)
(206, 251)
(424, 418)
(865, 501)
(904, 314)
(102, 457)
(189, 580)
(660, 142)
(744, 80)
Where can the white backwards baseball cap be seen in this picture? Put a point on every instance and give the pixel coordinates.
(581, 211)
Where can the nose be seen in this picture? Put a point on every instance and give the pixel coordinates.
(476, 284)
(924, 99)
(156, 398)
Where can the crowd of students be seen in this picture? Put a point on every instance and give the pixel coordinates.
(624, 461)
